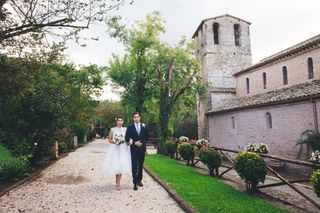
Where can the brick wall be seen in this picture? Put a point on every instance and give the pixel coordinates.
(297, 73)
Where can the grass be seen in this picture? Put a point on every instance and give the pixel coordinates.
(4, 153)
(202, 192)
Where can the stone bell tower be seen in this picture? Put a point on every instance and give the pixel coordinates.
(223, 49)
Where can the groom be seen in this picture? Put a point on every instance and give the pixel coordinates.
(137, 135)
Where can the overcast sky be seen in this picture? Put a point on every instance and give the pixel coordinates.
(275, 25)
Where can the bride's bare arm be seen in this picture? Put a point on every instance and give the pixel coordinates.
(110, 137)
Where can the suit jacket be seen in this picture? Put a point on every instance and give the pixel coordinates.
(133, 134)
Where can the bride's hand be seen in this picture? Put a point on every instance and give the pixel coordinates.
(130, 141)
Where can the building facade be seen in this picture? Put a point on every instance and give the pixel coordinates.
(274, 102)
(223, 49)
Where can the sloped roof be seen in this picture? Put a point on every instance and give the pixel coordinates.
(294, 93)
(216, 17)
(284, 53)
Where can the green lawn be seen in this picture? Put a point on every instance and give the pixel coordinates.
(202, 192)
(4, 153)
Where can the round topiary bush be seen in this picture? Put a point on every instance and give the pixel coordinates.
(252, 168)
(170, 148)
(212, 159)
(187, 152)
(315, 179)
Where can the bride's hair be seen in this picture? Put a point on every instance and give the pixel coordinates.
(119, 117)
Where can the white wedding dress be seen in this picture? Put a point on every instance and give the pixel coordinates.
(118, 159)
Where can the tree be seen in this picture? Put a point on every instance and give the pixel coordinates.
(177, 75)
(133, 72)
(106, 113)
(29, 23)
(161, 72)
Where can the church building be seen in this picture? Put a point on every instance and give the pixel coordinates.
(273, 101)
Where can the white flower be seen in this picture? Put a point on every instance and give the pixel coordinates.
(202, 141)
(143, 125)
(315, 156)
(36, 144)
(253, 147)
(184, 139)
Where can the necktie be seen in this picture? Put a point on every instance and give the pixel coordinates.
(138, 128)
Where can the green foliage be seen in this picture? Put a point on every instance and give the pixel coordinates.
(92, 134)
(62, 146)
(24, 150)
(252, 168)
(204, 193)
(44, 97)
(186, 151)
(79, 130)
(171, 148)
(13, 169)
(106, 113)
(311, 139)
(4, 153)
(187, 126)
(212, 159)
(315, 179)
(157, 78)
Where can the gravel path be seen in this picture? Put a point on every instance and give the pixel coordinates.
(75, 184)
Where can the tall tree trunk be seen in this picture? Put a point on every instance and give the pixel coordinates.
(164, 116)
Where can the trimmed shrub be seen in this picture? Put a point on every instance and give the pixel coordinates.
(315, 179)
(170, 148)
(212, 159)
(252, 168)
(187, 152)
(13, 169)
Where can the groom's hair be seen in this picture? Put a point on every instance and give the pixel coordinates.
(136, 113)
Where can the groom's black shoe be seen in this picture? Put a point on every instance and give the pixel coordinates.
(140, 184)
(135, 187)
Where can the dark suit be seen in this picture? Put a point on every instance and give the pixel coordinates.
(137, 153)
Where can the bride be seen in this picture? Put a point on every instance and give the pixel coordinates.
(118, 159)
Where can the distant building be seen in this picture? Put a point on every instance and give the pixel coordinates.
(271, 102)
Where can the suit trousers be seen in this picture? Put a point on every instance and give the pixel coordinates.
(137, 159)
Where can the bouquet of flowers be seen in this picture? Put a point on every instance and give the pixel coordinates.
(254, 147)
(183, 139)
(315, 156)
(119, 139)
(202, 141)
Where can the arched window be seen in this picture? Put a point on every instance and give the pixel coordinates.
(264, 79)
(216, 33)
(233, 122)
(269, 120)
(285, 75)
(248, 85)
(310, 68)
(236, 34)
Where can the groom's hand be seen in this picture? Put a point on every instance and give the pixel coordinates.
(138, 143)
